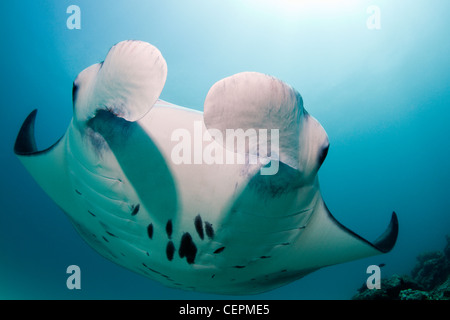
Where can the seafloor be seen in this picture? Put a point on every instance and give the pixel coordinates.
(428, 280)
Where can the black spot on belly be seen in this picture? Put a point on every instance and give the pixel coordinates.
(170, 249)
(209, 230)
(219, 250)
(199, 226)
(135, 209)
(169, 229)
(187, 248)
(111, 234)
(150, 230)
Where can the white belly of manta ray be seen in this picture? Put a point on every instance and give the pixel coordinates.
(128, 175)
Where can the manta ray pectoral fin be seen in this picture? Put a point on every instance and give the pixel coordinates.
(48, 166)
(327, 242)
(383, 244)
(387, 240)
(25, 141)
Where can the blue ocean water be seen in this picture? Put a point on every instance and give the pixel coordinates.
(382, 95)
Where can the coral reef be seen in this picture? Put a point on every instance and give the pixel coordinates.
(429, 280)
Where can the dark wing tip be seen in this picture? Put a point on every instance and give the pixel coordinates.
(387, 240)
(25, 141)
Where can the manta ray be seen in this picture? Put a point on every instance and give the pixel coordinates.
(213, 227)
